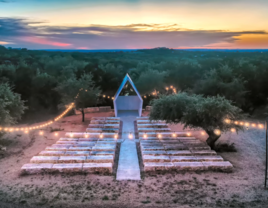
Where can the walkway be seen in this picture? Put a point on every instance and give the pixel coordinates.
(128, 164)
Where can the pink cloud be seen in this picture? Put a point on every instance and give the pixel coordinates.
(34, 39)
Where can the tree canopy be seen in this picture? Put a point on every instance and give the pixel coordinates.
(196, 111)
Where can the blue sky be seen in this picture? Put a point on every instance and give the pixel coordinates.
(106, 24)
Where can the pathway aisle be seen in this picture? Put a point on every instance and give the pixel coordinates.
(128, 164)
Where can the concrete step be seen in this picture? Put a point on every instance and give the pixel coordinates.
(117, 125)
(151, 145)
(199, 148)
(44, 159)
(51, 153)
(95, 125)
(208, 158)
(93, 153)
(163, 134)
(84, 144)
(98, 167)
(148, 122)
(88, 139)
(66, 142)
(142, 118)
(106, 142)
(67, 167)
(90, 135)
(145, 130)
(100, 159)
(152, 125)
(153, 166)
(153, 158)
(34, 168)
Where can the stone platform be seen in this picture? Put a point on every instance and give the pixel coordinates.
(162, 149)
(80, 151)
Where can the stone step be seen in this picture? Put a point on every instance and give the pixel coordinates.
(88, 139)
(117, 125)
(149, 122)
(151, 145)
(218, 166)
(179, 153)
(100, 159)
(34, 168)
(153, 158)
(51, 153)
(106, 142)
(93, 153)
(103, 148)
(68, 139)
(95, 125)
(203, 152)
(102, 130)
(199, 148)
(44, 159)
(155, 153)
(72, 159)
(163, 134)
(53, 148)
(176, 147)
(66, 142)
(142, 130)
(77, 153)
(152, 125)
(84, 144)
(152, 148)
(142, 118)
(208, 158)
(80, 148)
(190, 166)
(67, 167)
(153, 166)
(98, 167)
(62, 145)
(183, 159)
(90, 135)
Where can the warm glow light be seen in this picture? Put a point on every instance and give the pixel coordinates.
(203, 133)
(144, 135)
(236, 122)
(130, 136)
(115, 136)
(104, 96)
(86, 135)
(144, 96)
(167, 88)
(188, 134)
(241, 123)
(171, 86)
(260, 126)
(246, 124)
(101, 136)
(253, 125)
(56, 134)
(71, 135)
(217, 132)
(232, 130)
(41, 133)
(174, 135)
(227, 121)
(159, 136)
(26, 132)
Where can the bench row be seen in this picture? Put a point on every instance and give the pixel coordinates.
(179, 152)
(33, 168)
(163, 158)
(73, 159)
(189, 166)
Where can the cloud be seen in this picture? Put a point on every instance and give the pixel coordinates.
(35, 35)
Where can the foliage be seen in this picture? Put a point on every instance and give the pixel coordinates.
(224, 82)
(11, 105)
(82, 90)
(196, 111)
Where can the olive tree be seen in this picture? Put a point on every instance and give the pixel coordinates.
(212, 114)
(82, 92)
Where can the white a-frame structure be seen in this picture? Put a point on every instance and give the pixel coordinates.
(127, 102)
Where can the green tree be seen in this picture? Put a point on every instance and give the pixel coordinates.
(11, 105)
(223, 82)
(196, 111)
(82, 90)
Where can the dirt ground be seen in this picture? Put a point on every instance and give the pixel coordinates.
(244, 187)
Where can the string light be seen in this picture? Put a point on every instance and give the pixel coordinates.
(171, 86)
(227, 121)
(217, 132)
(260, 126)
(167, 88)
(145, 135)
(130, 136)
(232, 129)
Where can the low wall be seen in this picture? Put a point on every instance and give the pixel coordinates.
(94, 109)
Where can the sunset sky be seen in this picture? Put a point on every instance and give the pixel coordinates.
(131, 24)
